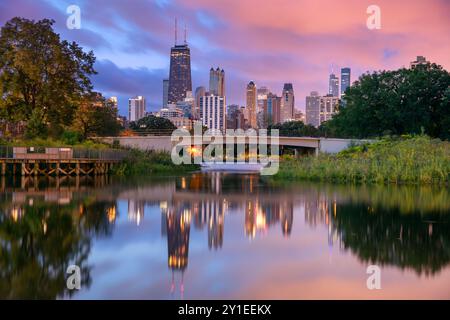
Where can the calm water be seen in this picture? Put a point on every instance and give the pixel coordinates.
(220, 236)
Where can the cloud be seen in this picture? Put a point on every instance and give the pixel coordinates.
(270, 42)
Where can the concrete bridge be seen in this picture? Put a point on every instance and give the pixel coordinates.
(308, 144)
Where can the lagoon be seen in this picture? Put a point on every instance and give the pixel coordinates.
(221, 235)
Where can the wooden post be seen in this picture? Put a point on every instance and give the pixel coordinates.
(23, 169)
(57, 169)
(36, 168)
(3, 168)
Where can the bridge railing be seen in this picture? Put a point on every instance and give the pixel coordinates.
(62, 153)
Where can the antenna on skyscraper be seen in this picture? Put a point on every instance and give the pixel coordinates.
(185, 33)
(176, 31)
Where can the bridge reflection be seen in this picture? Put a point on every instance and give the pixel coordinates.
(395, 226)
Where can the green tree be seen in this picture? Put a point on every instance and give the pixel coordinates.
(404, 101)
(36, 127)
(96, 117)
(295, 129)
(39, 71)
(153, 124)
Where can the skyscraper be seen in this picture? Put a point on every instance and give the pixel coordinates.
(235, 117)
(345, 80)
(165, 92)
(261, 95)
(217, 82)
(199, 92)
(333, 85)
(180, 72)
(136, 108)
(251, 104)
(313, 109)
(287, 102)
(328, 108)
(273, 111)
(213, 112)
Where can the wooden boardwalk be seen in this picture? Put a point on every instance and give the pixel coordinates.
(58, 161)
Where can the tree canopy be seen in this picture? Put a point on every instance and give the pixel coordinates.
(45, 81)
(152, 123)
(404, 101)
(96, 116)
(296, 129)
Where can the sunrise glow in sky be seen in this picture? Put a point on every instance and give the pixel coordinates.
(269, 42)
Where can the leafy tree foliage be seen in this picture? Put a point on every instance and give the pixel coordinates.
(296, 129)
(95, 116)
(36, 128)
(40, 74)
(153, 124)
(404, 101)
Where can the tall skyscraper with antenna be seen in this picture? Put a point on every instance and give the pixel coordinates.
(333, 85)
(345, 80)
(180, 80)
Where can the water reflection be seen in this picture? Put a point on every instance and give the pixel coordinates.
(46, 225)
(42, 232)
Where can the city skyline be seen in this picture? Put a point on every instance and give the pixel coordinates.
(132, 50)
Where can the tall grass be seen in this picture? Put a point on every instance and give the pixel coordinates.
(405, 160)
(150, 162)
(49, 142)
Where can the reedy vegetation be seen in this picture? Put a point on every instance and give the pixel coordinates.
(404, 160)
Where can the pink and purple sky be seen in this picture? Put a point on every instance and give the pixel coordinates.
(270, 42)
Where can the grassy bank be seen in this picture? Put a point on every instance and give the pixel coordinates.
(39, 142)
(150, 162)
(405, 160)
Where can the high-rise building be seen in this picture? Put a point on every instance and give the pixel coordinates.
(273, 111)
(187, 105)
(333, 85)
(329, 106)
(345, 80)
(261, 95)
(136, 108)
(165, 93)
(217, 82)
(199, 92)
(113, 102)
(235, 117)
(213, 112)
(299, 116)
(313, 109)
(419, 60)
(287, 102)
(180, 73)
(251, 104)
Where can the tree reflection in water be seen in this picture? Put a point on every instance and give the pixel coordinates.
(41, 234)
(47, 226)
(387, 237)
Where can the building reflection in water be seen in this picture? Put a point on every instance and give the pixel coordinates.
(401, 234)
(136, 211)
(178, 225)
(323, 211)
